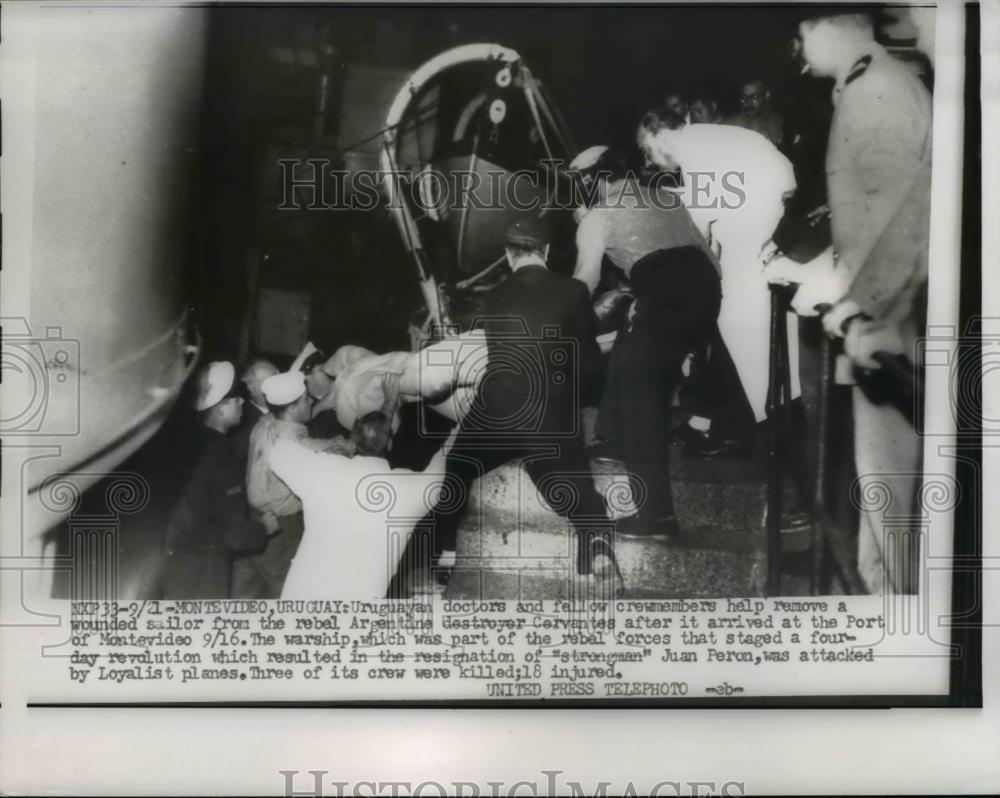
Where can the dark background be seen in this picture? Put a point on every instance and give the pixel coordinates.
(603, 67)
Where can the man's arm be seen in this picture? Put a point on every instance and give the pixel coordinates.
(589, 250)
(590, 353)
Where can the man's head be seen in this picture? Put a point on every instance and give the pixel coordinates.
(526, 241)
(372, 434)
(674, 100)
(287, 397)
(218, 402)
(254, 375)
(658, 136)
(318, 382)
(827, 39)
(754, 97)
(705, 108)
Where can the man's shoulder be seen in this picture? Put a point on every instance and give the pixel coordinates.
(558, 284)
(878, 81)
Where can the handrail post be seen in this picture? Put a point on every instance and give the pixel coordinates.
(818, 539)
(774, 475)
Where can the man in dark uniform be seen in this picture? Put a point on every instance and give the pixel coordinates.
(543, 360)
(212, 520)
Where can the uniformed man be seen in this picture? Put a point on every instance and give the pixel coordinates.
(543, 358)
(212, 520)
(878, 175)
(291, 408)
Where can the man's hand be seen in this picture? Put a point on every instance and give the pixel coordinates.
(865, 338)
(339, 445)
(768, 252)
(833, 319)
(609, 302)
(824, 284)
(816, 215)
(270, 522)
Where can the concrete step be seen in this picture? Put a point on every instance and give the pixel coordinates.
(512, 544)
(732, 494)
(648, 568)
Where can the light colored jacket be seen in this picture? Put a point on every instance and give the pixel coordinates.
(880, 140)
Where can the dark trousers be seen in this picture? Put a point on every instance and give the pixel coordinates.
(677, 303)
(558, 467)
(261, 576)
(195, 575)
(718, 393)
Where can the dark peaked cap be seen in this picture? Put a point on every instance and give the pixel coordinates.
(528, 232)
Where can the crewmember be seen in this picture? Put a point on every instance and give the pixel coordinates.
(354, 537)
(878, 175)
(735, 185)
(648, 234)
(212, 520)
(542, 358)
(291, 408)
(253, 376)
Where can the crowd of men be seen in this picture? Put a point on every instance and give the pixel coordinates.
(294, 494)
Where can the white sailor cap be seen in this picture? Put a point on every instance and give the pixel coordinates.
(588, 158)
(284, 388)
(215, 381)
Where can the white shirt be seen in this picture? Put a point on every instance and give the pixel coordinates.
(359, 514)
(731, 175)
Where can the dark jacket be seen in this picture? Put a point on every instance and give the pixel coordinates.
(212, 517)
(544, 361)
(241, 435)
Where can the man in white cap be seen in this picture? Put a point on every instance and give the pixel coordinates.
(291, 408)
(212, 520)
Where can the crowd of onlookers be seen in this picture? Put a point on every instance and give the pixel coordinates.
(294, 493)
